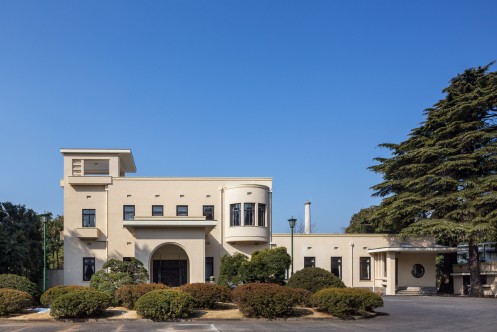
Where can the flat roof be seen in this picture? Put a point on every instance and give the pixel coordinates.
(430, 249)
(125, 155)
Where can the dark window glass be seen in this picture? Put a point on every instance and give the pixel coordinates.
(336, 266)
(182, 210)
(418, 271)
(235, 214)
(309, 262)
(208, 212)
(128, 212)
(249, 214)
(126, 259)
(209, 268)
(365, 268)
(262, 215)
(88, 217)
(157, 210)
(88, 268)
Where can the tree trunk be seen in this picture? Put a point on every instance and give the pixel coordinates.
(475, 289)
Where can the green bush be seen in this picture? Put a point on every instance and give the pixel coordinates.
(268, 266)
(82, 303)
(161, 305)
(231, 268)
(20, 283)
(12, 301)
(264, 300)
(51, 294)
(342, 302)
(314, 279)
(303, 296)
(127, 295)
(207, 295)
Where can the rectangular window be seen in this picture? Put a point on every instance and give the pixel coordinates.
(88, 217)
(235, 214)
(261, 221)
(336, 266)
(365, 268)
(157, 210)
(128, 212)
(309, 262)
(208, 212)
(182, 210)
(209, 268)
(88, 268)
(126, 259)
(249, 214)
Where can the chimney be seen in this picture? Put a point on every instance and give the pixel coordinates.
(307, 217)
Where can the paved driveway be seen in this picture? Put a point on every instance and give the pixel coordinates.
(399, 314)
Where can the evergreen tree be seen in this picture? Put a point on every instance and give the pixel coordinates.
(443, 179)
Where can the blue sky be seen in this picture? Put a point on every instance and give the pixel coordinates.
(300, 91)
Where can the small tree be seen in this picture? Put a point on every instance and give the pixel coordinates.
(268, 265)
(120, 273)
(230, 270)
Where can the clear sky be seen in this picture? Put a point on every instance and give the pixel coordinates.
(300, 91)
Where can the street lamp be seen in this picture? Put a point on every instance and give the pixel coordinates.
(291, 222)
(44, 219)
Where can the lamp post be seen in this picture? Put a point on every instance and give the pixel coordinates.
(44, 219)
(291, 222)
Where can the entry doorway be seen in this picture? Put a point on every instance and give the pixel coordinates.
(172, 273)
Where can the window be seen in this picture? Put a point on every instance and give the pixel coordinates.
(418, 271)
(128, 212)
(88, 217)
(88, 268)
(261, 221)
(235, 214)
(249, 214)
(309, 262)
(336, 266)
(208, 212)
(182, 210)
(365, 268)
(209, 268)
(157, 210)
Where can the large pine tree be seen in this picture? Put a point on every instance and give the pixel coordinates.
(443, 179)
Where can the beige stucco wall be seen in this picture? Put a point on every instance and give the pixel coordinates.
(406, 262)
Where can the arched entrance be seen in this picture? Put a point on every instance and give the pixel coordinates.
(169, 265)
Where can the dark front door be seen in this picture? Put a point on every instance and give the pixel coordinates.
(170, 272)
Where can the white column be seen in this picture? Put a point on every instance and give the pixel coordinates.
(390, 289)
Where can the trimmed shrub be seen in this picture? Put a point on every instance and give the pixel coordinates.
(303, 296)
(165, 304)
(207, 295)
(314, 279)
(264, 300)
(12, 301)
(51, 294)
(127, 295)
(342, 302)
(82, 303)
(20, 283)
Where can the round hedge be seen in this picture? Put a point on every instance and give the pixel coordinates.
(51, 294)
(303, 296)
(314, 279)
(265, 300)
(127, 295)
(82, 303)
(343, 302)
(20, 283)
(207, 295)
(12, 301)
(162, 305)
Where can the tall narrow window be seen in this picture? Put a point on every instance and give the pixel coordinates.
(309, 262)
(128, 212)
(209, 268)
(182, 210)
(261, 216)
(336, 266)
(365, 268)
(157, 210)
(235, 214)
(88, 217)
(249, 214)
(88, 268)
(208, 212)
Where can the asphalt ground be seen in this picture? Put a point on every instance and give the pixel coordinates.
(400, 313)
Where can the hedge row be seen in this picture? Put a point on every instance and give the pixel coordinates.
(20, 283)
(343, 302)
(165, 304)
(51, 294)
(314, 279)
(82, 303)
(127, 295)
(207, 296)
(12, 301)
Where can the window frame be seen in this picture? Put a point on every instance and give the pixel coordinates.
(207, 215)
(312, 262)
(161, 211)
(86, 214)
(127, 213)
(234, 212)
(364, 267)
(209, 261)
(261, 217)
(92, 264)
(178, 207)
(337, 263)
(247, 213)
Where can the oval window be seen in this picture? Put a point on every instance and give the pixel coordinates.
(418, 270)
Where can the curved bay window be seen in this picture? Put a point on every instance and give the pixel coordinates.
(235, 214)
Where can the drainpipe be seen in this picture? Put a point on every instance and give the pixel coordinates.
(352, 263)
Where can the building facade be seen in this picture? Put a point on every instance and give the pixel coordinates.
(181, 227)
